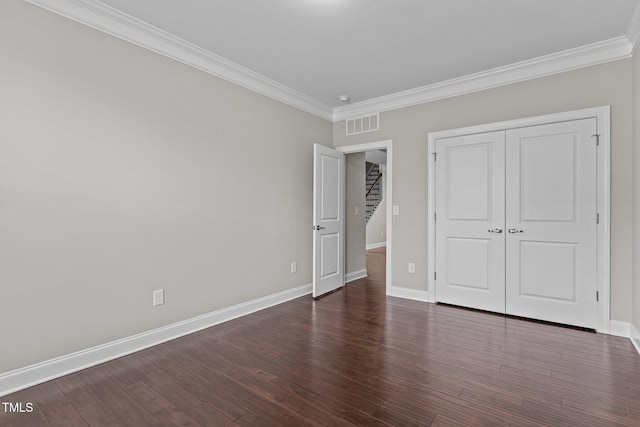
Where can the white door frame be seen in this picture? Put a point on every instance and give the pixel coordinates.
(603, 117)
(381, 145)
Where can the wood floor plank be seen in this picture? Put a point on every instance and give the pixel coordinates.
(47, 393)
(442, 421)
(90, 407)
(152, 401)
(207, 415)
(173, 392)
(63, 414)
(129, 411)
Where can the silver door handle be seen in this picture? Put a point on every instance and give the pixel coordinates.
(318, 228)
(496, 230)
(513, 231)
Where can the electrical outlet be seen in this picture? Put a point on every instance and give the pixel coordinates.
(158, 297)
(357, 210)
(412, 267)
(294, 267)
(396, 210)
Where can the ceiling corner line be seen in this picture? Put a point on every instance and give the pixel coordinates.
(106, 19)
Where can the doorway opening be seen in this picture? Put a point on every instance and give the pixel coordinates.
(368, 243)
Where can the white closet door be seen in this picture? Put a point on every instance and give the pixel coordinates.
(551, 222)
(470, 220)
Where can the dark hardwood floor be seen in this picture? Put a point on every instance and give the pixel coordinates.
(355, 357)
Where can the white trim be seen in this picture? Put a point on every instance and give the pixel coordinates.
(431, 223)
(376, 245)
(603, 243)
(619, 329)
(634, 335)
(118, 24)
(407, 293)
(633, 30)
(38, 373)
(603, 117)
(567, 60)
(360, 274)
(388, 145)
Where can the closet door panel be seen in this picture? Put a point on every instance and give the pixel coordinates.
(551, 222)
(470, 221)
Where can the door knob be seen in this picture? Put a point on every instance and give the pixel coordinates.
(496, 230)
(513, 231)
(318, 227)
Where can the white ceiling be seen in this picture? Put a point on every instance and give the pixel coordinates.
(378, 157)
(371, 48)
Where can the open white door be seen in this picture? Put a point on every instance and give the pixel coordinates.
(328, 220)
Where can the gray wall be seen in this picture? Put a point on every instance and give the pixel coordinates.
(355, 224)
(377, 226)
(608, 84)
(121, 172)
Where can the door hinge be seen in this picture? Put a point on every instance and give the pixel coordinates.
(597, 296)
(435, 156)
(597, 218)
(434, 216)
(597, 137)
(434, 275)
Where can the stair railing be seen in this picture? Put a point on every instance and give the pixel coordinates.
(373, 185)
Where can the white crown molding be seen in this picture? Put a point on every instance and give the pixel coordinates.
(111, 21)
(633, 30)
(567, 60)
(22, 378)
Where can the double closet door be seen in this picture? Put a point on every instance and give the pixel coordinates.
(516, 222)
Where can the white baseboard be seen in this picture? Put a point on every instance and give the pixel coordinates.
(619, 329)
(360, 274)
(28, 376)
(376, 245)
(413, 294)
(635, 337)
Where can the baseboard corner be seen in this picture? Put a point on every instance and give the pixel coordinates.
(619, 328)
(355, 275)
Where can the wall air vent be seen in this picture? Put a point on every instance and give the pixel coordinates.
(363, 124)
